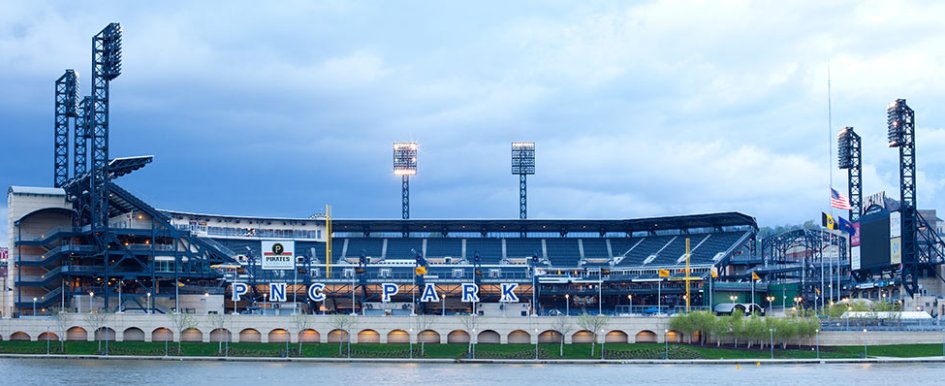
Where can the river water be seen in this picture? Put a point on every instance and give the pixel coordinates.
(26, 372)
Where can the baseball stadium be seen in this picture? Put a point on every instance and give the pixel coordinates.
(86, 245)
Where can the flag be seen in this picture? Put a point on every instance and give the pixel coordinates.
(421, 270)
(827, 221)
(715, 273)
(664, 273)
(839, 201)
(845, 226)
(817, 290)
(754, 276)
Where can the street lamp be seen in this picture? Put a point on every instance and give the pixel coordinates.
(630, 298)
(91, 296)
(410, 339)
(149, 303)
(567, 304)
(666, 342)
(34, 306)
(733, 298)
(864, 344)
(817, 331)
(536, 344)
(770, 301)
(771, 335)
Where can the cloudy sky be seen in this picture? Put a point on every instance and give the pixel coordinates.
(638, 108)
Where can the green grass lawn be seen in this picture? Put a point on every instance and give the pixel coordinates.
(454, 351)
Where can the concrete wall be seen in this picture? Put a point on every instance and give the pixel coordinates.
(436, 330)
(399, 328)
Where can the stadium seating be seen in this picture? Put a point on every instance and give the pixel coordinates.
(519, 248)
(399, 248)
(564, 252)
(369, 246)
(490, 249)
(442, 247)
(595, 248)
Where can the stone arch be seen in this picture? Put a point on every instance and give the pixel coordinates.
(645, 336)
(457, 336)
(583, 336)
(337, 336)
(278, 335)
(105, 333)
(250, 335)
(132, 334)
(550, 336)
(398, 336)
(162, 334)
(218, 335)
(77, 333)
(488, 336)
(20, 335)
(696, 336)
(673, 336)
(309, 336)
(48, 336)
(191, 335)
(520, 336)
(369, 336)
(428, 336)
(616, 336)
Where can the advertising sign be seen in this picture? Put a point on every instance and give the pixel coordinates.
(278, 255)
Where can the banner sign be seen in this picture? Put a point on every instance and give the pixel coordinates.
(278, 255)
(316, 292)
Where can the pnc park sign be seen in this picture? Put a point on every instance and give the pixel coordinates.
(316, 292)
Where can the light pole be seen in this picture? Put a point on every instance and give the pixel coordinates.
(817, 331)
(771, 337)
(34, 306)
(630, 298)
(536, 344)
(410, 339)
(733, 298)
(770, 301)
(865, 353)
(567, 304)
(666, 342)
(91, 297)
(149, 303)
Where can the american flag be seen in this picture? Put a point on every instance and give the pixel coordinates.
(839, 201)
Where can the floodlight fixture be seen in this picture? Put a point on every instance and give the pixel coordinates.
(405, 165)
(405, 158)
(898, 116)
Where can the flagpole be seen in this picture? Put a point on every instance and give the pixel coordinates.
(829, 181)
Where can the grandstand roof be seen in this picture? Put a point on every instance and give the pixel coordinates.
(710, 220)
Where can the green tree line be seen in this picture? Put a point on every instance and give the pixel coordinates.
(737, 328)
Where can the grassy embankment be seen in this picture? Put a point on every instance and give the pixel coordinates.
(483, 351)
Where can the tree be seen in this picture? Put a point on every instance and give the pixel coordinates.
(95, 321)
(302, 322)
(470, 322)
(683, 323)
(563, 325)
(423, 323)
(63, 319)
(182, 321)
(736, 325)
(755, 330)
(721, 326)
(592, 323)
(343, 322)
(219, 321)
(704, 322)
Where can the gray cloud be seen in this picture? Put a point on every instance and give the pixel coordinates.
(653, 108)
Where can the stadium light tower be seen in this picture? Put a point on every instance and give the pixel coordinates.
(405, 165)
(523, 164)
(67, 97)
(900, 120)
(106, 66)
(850, 157)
